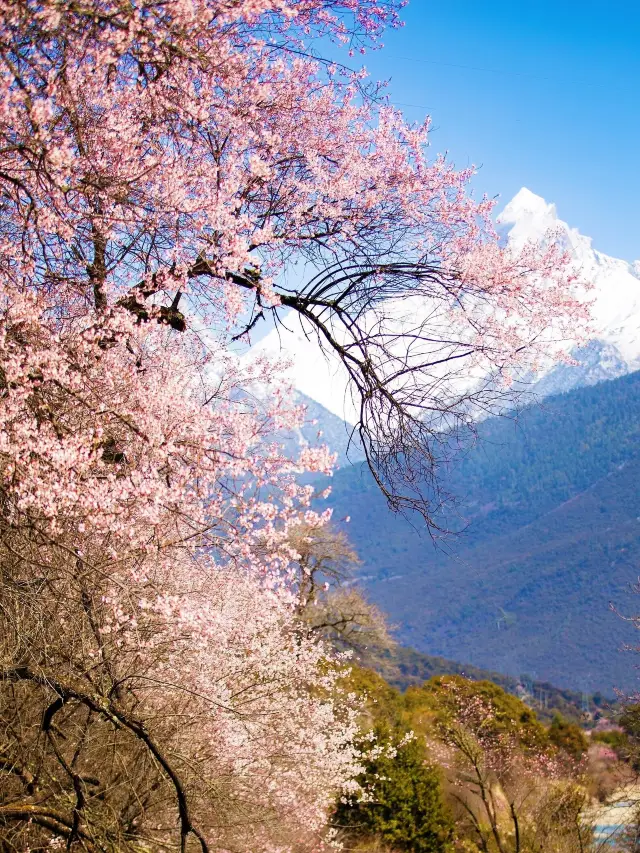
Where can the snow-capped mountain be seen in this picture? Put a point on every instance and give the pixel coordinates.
(314, 374)
(616, 283)
(321, 384)
(613, 350)
(596, 362)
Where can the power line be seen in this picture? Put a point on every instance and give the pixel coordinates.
(417, 106)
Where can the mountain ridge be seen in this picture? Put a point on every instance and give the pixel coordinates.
(615, 327)
(552, 517)
(403, 667)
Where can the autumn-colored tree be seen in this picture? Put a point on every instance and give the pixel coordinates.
(330, 603)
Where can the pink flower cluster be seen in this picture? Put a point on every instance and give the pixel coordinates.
(187, 152)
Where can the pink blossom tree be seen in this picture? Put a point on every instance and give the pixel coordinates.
(156, 690)
(199, 157)
(515, 792)
(163, 166)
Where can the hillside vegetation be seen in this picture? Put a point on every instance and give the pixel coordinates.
(459, 765)
(549, 514)
(403, 667)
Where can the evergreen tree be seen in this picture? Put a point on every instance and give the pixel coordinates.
(406, 809)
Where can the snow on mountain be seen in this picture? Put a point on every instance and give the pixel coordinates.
(613, 350)
(616, 283)
(597, 361)
(314, 374)
(320, 383)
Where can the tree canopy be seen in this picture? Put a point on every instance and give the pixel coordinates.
(170, 171)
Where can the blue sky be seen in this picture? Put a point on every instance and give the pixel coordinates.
(544, 95)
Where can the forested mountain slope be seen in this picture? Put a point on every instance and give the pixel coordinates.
(550, 508)
(404, 667)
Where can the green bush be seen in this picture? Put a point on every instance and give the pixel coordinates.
(406, 810)
(568, 737)
(439, 697)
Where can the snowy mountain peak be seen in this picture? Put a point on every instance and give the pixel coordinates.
(527, 207)
(615, 313)
(529, 217)
(616, 288)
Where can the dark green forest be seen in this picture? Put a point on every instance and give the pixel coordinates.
(547, 511)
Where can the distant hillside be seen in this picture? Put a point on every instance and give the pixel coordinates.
(550, 506)
(331, 430)
(404, 667)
